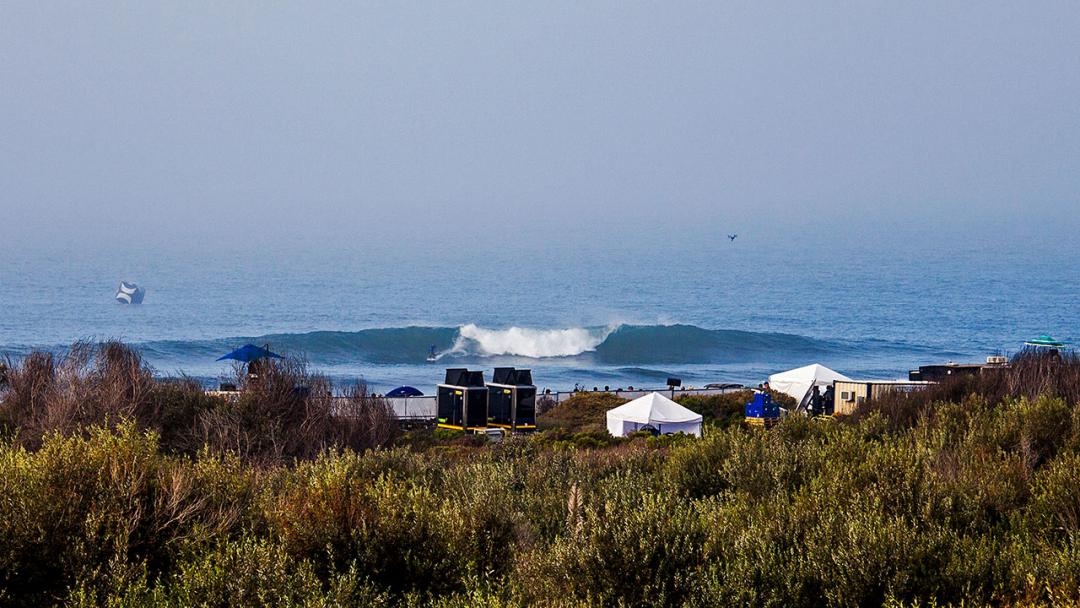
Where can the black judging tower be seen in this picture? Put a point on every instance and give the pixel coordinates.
(462, 401)
(512, 399)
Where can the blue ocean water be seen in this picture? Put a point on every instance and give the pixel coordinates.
(627, 309)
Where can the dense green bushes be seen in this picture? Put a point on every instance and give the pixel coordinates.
(975, 501)
(810, 514)
(582, 412)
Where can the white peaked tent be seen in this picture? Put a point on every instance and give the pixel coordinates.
(653, 409)
(799, 382)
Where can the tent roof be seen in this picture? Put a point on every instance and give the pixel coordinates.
(654, 407)
(797, 382)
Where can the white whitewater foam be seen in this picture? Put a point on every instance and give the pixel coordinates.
(526, 342)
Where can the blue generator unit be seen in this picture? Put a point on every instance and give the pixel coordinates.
(761, 411)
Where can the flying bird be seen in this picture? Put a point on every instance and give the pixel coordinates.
(732, 237)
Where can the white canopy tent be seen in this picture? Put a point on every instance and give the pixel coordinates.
(800, 382)
(655, 410)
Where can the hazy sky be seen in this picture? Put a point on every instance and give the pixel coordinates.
(190, 123)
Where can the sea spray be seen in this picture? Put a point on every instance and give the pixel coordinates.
(528, 342)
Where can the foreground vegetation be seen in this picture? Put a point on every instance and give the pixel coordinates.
(148, 494)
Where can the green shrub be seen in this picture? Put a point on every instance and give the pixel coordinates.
(972, 500)
(622, 548)
(480, 516)
(723, 411)
(693, 469)
(562, 438)
(246, 572)
(78, 505)
(581, 412)
(1055, 506)
(442, 434)
(330, 513)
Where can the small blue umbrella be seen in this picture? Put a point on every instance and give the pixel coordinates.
(405, 391)
(248, 353)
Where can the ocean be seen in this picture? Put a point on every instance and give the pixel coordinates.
(632, 308)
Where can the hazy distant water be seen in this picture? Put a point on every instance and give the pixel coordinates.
(626, 309)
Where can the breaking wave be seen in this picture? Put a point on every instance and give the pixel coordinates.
(526, 342)
(627, 345)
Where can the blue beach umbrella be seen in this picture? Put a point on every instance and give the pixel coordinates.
(248, 353)
(405, 391)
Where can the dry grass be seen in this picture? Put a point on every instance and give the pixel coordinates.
(91, 384)
(1029, 375)
(282, 414)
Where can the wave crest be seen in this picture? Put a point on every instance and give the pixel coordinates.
(527, 342)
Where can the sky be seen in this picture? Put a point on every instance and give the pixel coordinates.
(198, 124)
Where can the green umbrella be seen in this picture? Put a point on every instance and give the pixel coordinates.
(1045, 341)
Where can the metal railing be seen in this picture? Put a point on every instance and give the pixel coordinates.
(561, 396)
(424, 407)
(413, 408)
